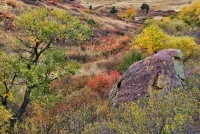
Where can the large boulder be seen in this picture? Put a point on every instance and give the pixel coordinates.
(161, 71)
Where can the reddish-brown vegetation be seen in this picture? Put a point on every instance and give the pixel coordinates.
(4, 15)
(103, 82)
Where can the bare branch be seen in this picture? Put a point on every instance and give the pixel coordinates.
(42, 50)
(24, 43)
(21, 55)
(13, 79)
(47, 46)
(23, 50)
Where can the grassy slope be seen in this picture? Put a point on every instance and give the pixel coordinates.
(98, 57)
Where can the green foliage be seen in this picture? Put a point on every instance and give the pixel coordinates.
(170, 26)
(113, 10)
(90, 7)
(145, 6)
(5, 115)
(173, 112)
(102, 127)
(41, 26)
(91, 22)
(6, 75)
(129, 59)
(174, 15)
(39, 61)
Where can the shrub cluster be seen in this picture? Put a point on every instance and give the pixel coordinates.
(103, 82)
(113, 10)
(129, 59)
(91, 22)
(129, 14)
(171, 26)
(191, 14)
(154, 39)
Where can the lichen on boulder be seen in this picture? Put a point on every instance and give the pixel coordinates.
(161, 71)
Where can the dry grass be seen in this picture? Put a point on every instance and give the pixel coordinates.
(155, 4)
(83, 56)
(70, 84)
(11, 3)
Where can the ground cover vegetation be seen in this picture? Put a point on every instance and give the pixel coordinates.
(56, 71)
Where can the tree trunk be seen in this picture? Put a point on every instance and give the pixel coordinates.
(24, 104)
(18, 116)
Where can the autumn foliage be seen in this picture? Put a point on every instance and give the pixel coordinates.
(190, 14)
(129, 14)
(103, 82)
(153, 39)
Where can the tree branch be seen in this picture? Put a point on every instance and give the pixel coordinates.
(13, 79)
(5, 99)
(14, 50)
(42, 50)
(24, 43)
(23, 50)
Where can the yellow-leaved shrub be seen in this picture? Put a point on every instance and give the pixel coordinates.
(184, 43)
(174, 112)
(170, 26)
(191, 14)
(129, 14)
(5, 115)
(152, 39)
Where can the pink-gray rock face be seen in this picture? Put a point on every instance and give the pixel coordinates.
(161, 71)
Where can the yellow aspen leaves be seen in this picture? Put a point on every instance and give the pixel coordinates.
(153, 39)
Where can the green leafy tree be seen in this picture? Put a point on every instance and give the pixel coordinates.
(113, 10)
(38, 60)
(90, 7)
(145, 7)
(91, 22)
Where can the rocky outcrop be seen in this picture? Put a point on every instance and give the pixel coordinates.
(161, 71)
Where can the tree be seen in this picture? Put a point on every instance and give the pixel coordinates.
(152, 38)
(91, 22)
(113, 10)
(39, 61)
(130, 13)
(145, 6)
(185, 43)
(90, 7)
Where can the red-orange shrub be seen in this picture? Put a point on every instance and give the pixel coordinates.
(103, 82)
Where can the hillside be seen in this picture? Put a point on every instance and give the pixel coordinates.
(155, 4)
(59, 60)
